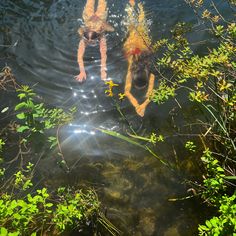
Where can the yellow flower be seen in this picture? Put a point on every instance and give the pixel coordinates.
(109, 93)
(121, 96)
(111, 84)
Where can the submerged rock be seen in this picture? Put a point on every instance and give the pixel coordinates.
(172, 231)
(147, 222)
(117, 196)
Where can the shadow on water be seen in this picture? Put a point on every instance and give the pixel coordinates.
(134, 186)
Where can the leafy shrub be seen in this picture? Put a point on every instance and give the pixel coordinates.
(44, 212)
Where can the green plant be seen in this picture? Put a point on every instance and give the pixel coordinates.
(214, 184)
(163, 93)
(36, 118)
(41, 212)
(26, 210)
(225, 223)
(209, 79)
(210, 82)
(214, 187)
(189, 145)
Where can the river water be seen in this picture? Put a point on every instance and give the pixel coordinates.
(39, 42)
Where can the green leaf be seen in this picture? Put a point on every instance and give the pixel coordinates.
(49, 205)
(3, 231)
(20, 105)
(14, 234)
(22, 129)
(230, 177)
(208, 224)
(21, 116)
(21, 95)
(120, 136)
(203, 227)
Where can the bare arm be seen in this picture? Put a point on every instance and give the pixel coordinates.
(103, 51)
(128, 84)
(141, 109)
(80, 60)
(80, 55)
(150, 86)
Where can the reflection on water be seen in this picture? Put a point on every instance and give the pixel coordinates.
(133, 185)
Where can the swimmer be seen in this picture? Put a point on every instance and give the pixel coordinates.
(93, 32)
(137, 49)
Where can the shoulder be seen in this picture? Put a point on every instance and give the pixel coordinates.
(81, 31)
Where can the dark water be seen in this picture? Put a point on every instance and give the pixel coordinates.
(41, 40)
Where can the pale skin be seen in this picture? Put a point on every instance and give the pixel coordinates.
(132, 2)
(103, 51)
(140, 108)
(94, 22)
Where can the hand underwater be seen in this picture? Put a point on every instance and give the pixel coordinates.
(140, 109)
(81, 77)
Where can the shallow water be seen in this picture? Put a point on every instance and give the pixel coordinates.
(132, 184)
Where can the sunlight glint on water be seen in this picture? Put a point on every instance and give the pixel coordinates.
(133, 185)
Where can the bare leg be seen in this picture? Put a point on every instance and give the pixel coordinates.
(102, 10)
(88, 10)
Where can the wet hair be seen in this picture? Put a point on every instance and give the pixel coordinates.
(140, 71)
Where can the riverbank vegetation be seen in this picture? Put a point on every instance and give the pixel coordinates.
(26, 206)
(207, 78)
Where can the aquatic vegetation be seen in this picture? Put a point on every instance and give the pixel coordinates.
(189, 145)
(35, 116)
(131, 139)
(209, 81)
(26, 208)
(214, 186)
(34, 119)
(163, 93)
(42, 211)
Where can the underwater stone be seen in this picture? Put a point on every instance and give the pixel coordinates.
(147, 222)
(173, 231)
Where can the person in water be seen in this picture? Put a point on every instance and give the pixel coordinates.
(137, 49)
(91, 33)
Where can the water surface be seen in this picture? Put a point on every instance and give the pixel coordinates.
(41, 41)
